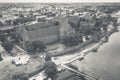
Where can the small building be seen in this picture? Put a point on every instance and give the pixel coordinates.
(48, 31)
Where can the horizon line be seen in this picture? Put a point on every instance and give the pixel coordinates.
(59, 1)
(64, 2)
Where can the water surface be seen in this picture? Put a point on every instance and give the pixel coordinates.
(105, 64)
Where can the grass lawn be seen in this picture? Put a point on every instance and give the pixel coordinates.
(7, 69)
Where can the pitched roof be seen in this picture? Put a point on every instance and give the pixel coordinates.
(41, 25)
(36, 26)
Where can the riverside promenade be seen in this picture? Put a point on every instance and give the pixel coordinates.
(66, 59)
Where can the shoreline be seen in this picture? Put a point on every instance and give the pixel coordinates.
(95, 64)
(83, 46)
(69, 58)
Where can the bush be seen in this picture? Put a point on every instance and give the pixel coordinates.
(20, 76)
(41, 20)
(15, 22)
(50, 69)
(1, 24)
(1, 57)
(35, 46)
(47, 57)
(2, 37)
(8, 46)
(1, 15)
(71, 40)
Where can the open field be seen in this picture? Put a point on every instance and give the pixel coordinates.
(7, 69)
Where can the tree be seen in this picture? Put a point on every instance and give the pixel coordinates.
(115, 24)
(16, 37)
(71, 40)
(35, 46)
(1, 15)
(98, 22)
(15, 22)
(47, 57)
(1, 57)
(41, 19)
(56, 23)
(86, 37)
(2, 37)
(1, 24)
(20, 76)
(39, 46)
(96, 36)
(8, 46)
(8, 21)
(50, 69)
(15, 14)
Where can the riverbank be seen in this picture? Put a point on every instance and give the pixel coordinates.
(71, 50)
(103, 64)
(82, 46)
(78, 52)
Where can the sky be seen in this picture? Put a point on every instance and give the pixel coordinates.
(59, 1)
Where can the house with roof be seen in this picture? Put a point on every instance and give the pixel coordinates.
(48, 31)
(45, 31)
(65, 28)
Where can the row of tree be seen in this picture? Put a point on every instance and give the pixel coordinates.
(109, 8)
(9, 38)
(88, 27)
(17, 21)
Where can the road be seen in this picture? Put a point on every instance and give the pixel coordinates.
(86, 51)
(63, 60)
(90, 77)
(73, 57)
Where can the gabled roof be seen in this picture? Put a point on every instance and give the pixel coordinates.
(36, 26)
(40, 25)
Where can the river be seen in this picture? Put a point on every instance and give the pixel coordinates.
(103, 64)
